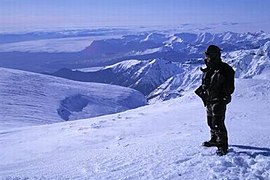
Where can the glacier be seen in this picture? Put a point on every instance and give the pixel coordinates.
(34, 99)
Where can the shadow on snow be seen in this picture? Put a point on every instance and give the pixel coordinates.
(253, 151)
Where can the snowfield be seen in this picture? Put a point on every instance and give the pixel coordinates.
(34, 99)
(158, 141)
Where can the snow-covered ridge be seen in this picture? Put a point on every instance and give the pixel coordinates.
(160, 141)
(143, 76)
(31, 99)
(254, 63)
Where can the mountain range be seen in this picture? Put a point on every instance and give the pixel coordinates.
(163, 79)
(176, 47)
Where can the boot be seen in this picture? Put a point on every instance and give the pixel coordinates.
(222, 151)
(212, 141)
(222, 143)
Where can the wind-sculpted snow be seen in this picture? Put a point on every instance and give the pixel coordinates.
(32, 99)
(159, 141)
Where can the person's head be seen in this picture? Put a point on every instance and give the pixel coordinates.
(213, 56)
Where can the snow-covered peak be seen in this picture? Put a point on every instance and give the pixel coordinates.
(249, 63)
(124, 65)
(266, 48)
(187, 37)
(205, 38)
(174, 39)
(155, 37)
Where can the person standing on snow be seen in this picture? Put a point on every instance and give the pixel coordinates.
(215, 91)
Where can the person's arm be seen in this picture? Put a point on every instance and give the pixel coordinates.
(228, 85)
(201, 92)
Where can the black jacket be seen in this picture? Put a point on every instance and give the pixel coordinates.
(217, 84)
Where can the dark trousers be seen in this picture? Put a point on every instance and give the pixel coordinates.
(215, 120)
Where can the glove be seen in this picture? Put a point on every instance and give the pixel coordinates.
(202, 94)
(226, 99)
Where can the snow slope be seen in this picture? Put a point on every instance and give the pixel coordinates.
(159, 141)
(32, 99)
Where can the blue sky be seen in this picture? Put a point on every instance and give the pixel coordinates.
(76, 13)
